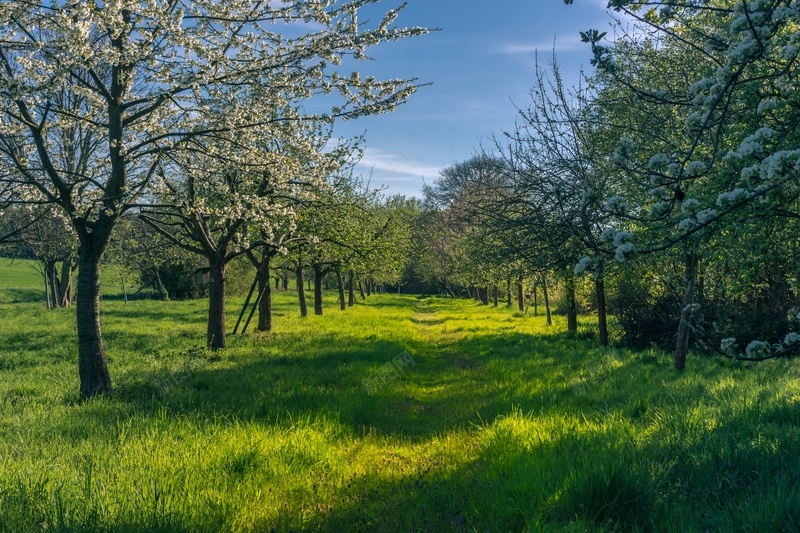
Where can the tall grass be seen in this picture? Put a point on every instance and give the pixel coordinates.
(400, 414)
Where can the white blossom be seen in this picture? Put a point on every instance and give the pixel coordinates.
(607, 235)
(767, 104)
(658, 161)
(728, 345)
(625, 252)
(583, 265)
(791, 338)
(690, 205)
(757, 349)
(695, 168)
(617, 204)
(730, 197)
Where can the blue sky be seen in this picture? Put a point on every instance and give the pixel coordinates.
(480, 65)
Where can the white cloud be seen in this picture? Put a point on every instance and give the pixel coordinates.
(562, 44)
(397, 164)
(397, 172)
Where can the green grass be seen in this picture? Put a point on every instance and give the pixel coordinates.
(20, 281)
(500, 424)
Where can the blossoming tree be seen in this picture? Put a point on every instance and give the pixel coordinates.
(96, 96)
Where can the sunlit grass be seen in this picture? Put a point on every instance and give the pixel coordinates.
(489, 421)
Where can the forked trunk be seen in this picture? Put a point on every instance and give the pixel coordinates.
(92, 364)
(51, 273)
(216, 335)
(65, 286)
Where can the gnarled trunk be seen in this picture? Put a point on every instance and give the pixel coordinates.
(92, 363)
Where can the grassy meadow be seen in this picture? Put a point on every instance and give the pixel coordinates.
(404, 413)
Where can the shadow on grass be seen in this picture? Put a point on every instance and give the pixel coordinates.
(368, 384)
(9, 295)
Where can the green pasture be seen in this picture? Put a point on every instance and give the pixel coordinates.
(403, 413)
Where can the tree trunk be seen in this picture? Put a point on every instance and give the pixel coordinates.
(65, 287)
(572, 306)
(682, 342)
(162, 291)
(52, 278)
(301, 293)
(277, 282)
(547, 303)
(265, 290)
(361, 290)
(340, 284)
(535, 300)
(351, 289)
(369, 288)
(47, 302)
(215, 333)
(124, 289)
(483, 292)
(285, 281)
(520, 297)
(319, 278)
(509, 303)
(602, 320)
(92, 364)
(496, 294)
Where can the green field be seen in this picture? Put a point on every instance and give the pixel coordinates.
(488, 421)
